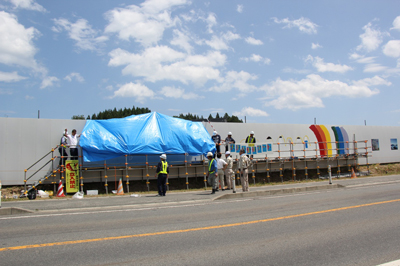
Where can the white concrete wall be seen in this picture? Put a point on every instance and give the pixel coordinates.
(291, 131)
(23, 141)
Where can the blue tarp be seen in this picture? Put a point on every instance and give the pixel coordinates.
(151, 133)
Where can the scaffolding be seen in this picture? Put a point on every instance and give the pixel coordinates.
(278, 158)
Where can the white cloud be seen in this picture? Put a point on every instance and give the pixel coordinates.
(27, 4)
(369, 68)
(16, 43)
(315, 46)
(250, 111)
(321, 66)
(81, 32)
(172, 92)
(145, 23)
(392, 48)
(28, 97)
(396, 23)
(303, 24)
(309, 92)
(211, 22)
(253, 41)
(296, 71)
(138, 91)
(236, 80)
(239, 8)
(256, 58)
(374, 81)
(182, 40)
(217, 43)
(10, 77)
(75, 76)
(5, 92)
(362, 59)
(370, 39)
(49, 82)
(163, 63)
(222, 43)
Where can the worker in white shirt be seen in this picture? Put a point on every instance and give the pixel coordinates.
(73, 142)
(221, 165)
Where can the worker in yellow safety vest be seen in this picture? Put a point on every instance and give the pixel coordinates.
(212, 171)
(162, 172)
(251, 138)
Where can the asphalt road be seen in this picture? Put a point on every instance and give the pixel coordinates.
(355, 225)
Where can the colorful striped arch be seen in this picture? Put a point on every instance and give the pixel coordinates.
(325, 141)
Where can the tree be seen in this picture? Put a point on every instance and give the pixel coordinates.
(78, 117)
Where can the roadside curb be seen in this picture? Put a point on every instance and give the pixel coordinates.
(13, 210)
(276, 191)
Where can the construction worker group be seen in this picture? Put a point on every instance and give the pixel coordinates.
(219, 168)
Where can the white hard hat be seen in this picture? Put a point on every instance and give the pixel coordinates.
(230, 133)
(215, 133)
(227, 152)
(163, 156)
(209, 154)
(252, 132)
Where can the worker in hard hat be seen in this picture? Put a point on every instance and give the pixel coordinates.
(251, 138)
(162, 172)
(229, 173)
(217, 140)
(212, 171)
(229, 140)
(244, 163)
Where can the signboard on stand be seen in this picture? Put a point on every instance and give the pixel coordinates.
(72, 176)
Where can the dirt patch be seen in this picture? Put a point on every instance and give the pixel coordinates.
(382, 169)
(11, 192)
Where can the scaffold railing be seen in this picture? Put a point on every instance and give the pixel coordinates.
(265, 157)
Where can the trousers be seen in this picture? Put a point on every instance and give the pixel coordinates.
(212, 180)
(244, 179)
(230, 178)
(220, 178)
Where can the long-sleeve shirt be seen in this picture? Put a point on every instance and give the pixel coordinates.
(212, 167)
(229, 161)
(159, 167)
(216, 139)
(244, 162)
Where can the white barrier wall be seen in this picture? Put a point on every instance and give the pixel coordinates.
(294, 133)
(23, 141)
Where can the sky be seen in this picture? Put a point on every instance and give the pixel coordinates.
(291, 62)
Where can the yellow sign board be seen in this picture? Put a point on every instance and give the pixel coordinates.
(71, 176)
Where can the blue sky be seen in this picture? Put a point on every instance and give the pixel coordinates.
(268, 61)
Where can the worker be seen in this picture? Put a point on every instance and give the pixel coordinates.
(229, 174)
(212, 171)
(229, 140)
(162, 172)
(217, 140)
(251, 138)
(221, 165)
(244, 163)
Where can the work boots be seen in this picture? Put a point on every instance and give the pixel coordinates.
(213, 191)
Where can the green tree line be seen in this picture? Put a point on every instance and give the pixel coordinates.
(121, 113)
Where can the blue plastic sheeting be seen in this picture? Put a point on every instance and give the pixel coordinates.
(151, 133)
